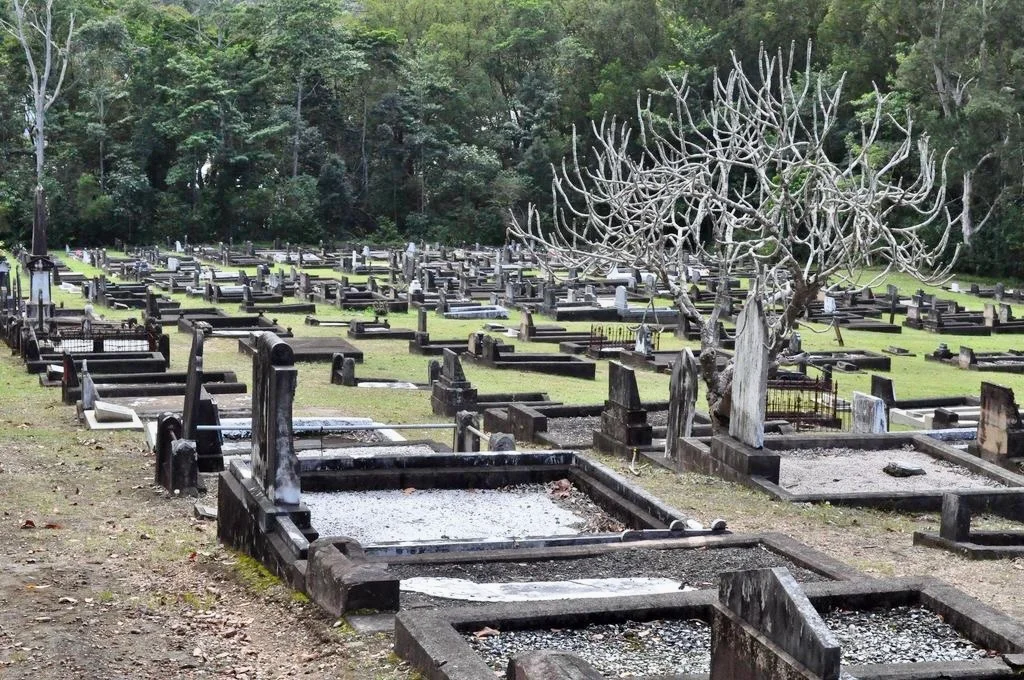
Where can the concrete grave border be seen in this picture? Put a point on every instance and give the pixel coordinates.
(734, 461)
(432, 642)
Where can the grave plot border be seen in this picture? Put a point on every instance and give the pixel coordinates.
(432, 641)
(332, 569)
(780, 544)
(305, 348)
(734, 461)
(956, 536)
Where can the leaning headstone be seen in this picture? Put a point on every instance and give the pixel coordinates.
(830, 305)
(750, 376)
(275, 466)
(868, 414)
(682, 402)
(89, 393)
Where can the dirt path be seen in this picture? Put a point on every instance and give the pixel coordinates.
(103, 576)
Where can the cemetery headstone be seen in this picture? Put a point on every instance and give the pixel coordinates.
(682, 402)
(1000, 431)
(869, 415)
(772, 603)
(750, 376)
(275, 465)
(621, 301)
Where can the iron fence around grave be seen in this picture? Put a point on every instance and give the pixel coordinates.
(617, 337)
(808, 405)
(130, 339)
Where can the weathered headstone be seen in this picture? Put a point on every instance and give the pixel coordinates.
(750, 376)
(682, 402)
(452, 392)
(773, 604)
(89, 393)
(1000, 431)
(348, 372)
(869, 414)
(275, 466)
(624, 419)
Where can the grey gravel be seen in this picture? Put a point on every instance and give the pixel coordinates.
(621, 650)
(579, 432)
(898, 635)
(697, 568)
(574, 432)
(452, 514)
(844, 470)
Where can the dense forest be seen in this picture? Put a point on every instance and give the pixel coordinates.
(432, 119)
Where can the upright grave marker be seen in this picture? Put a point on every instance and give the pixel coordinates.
(275, 466)
(750, 376)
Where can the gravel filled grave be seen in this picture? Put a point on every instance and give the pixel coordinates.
(455, 514)
(844, 470)
(898, 635)
(367, 451)
(696, 568)
(627, 649)
(579, 431)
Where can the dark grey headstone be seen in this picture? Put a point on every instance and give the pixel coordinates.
(772, 602)
(622, 388)
(274, 462)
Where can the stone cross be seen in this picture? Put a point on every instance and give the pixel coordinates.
(275, 466)
(750, 376)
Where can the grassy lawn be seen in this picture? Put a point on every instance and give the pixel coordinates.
(913, 376)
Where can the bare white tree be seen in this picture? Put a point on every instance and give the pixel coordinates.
(46, 58)
(752, 183)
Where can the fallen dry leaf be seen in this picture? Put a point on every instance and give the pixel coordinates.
(28, 524)
(52, 525)
(485, 632)
(561, 488)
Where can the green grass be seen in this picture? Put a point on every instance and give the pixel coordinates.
(913, 377)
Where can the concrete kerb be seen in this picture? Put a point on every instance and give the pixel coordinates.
(281, 536)
(433, 643)
(729, 459)
(955, 534)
